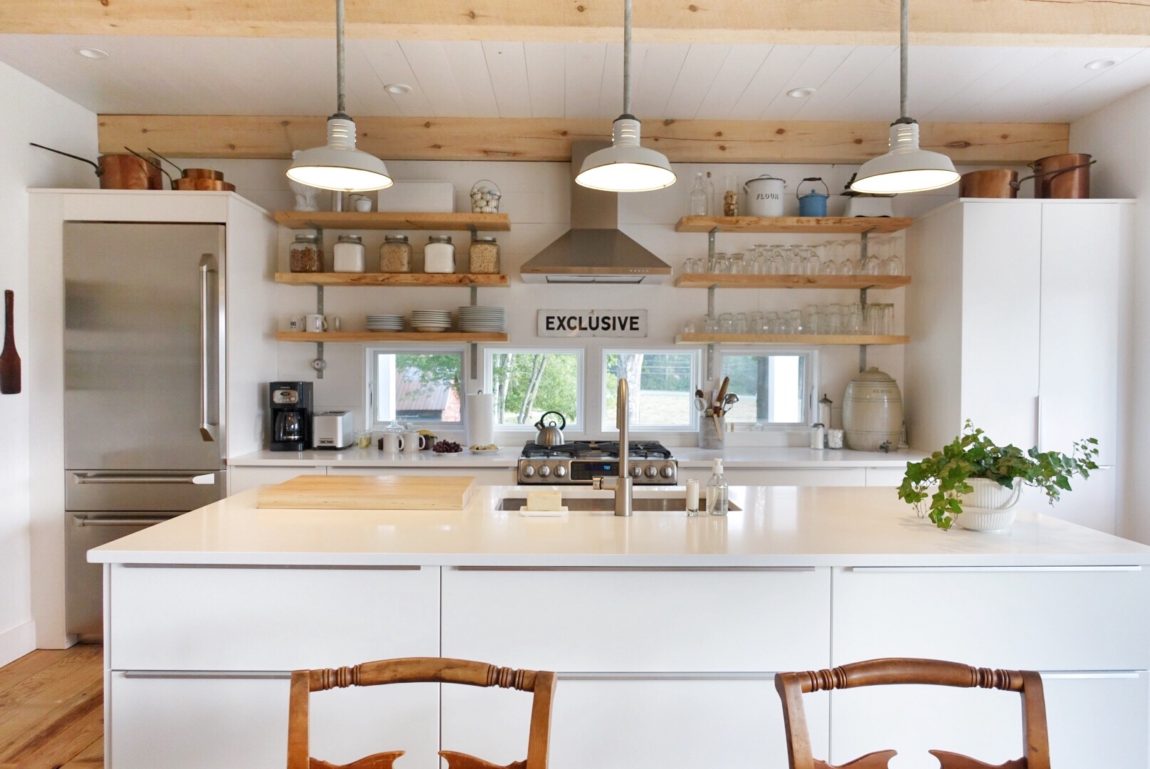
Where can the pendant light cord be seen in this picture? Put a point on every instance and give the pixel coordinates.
(626, 57)
(904, 34)
(340, 58)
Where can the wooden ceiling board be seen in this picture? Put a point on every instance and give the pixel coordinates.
(611, 83)
(658, 70)
(782, 62)
(433, 78)
(546, 66)
(583, 77)
(469, 66)
(700, 69)
(828, 102)
(389, 64)
(816, 69)
(507, 68)
(739, 68)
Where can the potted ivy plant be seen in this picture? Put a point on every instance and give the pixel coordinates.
(975, 472)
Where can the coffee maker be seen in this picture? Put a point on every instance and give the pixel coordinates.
(291, 412)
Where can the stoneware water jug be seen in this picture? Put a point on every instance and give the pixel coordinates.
(872, 412)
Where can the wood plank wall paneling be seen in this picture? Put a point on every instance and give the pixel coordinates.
(546, 139)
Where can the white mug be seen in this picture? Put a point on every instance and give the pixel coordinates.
(412, 442)
(296, 323)
(314, 323)
(391, 443)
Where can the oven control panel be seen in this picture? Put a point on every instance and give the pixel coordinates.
(581, 471)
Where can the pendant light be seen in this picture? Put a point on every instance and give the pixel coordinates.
(905, 167)
(626, 166)
(338, 165)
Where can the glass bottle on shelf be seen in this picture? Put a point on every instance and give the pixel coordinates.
(713, 203)
(698, 204)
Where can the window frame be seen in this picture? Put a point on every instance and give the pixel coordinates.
(606, 415)
(574, 427)
(809, 386)
(371, 353)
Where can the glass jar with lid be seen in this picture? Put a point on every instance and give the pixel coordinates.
(439, 254)
(395, 254)
(305, 253)
(348, 255)
(484, 254)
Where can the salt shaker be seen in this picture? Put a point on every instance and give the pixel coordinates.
(818, 436)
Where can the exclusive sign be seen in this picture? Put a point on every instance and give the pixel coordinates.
(611, 323)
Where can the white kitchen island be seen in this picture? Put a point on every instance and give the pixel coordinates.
(666, 630)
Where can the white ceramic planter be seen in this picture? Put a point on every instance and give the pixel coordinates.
(990, 507)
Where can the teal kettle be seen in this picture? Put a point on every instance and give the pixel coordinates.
(813, 203)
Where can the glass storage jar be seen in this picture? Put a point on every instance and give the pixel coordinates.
(305, 253)
(439, 254)
(348, 255)
(395, 254)
(484, 254)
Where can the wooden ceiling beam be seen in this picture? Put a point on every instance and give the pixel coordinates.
(544, 139)
(855, 22)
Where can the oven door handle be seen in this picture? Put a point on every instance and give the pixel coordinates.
(83, 520)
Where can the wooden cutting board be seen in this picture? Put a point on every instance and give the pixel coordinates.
(370, 492)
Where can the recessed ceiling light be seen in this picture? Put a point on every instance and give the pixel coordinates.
(397, 89)
(1098, 64)
(801, 93)
(92, 53)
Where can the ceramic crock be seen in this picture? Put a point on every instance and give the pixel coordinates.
(872, 412)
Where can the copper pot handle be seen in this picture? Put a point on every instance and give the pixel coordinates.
(1052, 174)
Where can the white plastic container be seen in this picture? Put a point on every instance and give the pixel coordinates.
(348, 254)
(439, 254)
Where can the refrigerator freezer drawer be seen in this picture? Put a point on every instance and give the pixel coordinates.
(151, 490)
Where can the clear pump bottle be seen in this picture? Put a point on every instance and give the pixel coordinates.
(717, 493)
(699, 200)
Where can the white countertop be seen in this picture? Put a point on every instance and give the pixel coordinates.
(507, 456)
(777, 526)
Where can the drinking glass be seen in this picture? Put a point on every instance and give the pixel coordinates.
(795, 322)
(738, 263)
(772, 323)
(722, 264)
(811, 319)
(726, 323)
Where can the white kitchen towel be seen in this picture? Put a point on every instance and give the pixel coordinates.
(480, 420)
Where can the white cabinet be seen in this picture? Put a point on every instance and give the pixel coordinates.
(244, 478)
(1017, 321)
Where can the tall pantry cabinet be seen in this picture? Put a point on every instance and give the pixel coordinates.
(1019, 322)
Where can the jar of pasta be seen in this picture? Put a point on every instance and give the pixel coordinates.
(395, 254)
(484, 254)
(305, 253)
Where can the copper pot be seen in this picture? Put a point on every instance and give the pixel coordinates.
(993, 183)
(203, 173)
(120, 172)
(192, 183)
(1062, 176)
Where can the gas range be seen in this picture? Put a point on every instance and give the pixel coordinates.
(579, 462)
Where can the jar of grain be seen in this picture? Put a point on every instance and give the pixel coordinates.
(484, 254)
(439, 254)
(395, 254)
(348, 254)
(305, 253)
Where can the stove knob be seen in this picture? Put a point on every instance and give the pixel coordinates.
(668, 471)
(560, 472)
(636, 472)
(544, 471)
(652, 471)
(528, 471)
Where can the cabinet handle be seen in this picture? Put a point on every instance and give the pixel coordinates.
(196, 479)
(82, 520)
(767, 569)
(985, 569)
(206, 674)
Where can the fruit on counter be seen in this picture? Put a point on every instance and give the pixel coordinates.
(446, 447)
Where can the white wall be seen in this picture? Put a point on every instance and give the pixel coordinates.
(1116, 137)
(31, 113)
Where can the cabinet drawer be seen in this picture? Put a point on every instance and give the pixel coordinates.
(229, 722)
(1029, 618)
(637, 723)
(638, 620)
(269, 618)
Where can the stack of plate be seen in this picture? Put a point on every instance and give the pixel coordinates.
(481, 318)
(385, 323)
(430, 320)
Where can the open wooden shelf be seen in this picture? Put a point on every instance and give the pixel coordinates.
(726, 280)
(392, 336)
(406, 279)
(807, 339)
(391, 220)
(814, 225)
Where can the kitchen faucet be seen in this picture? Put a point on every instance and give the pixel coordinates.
(623, 484)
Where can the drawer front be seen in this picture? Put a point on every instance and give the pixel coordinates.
(638, 620)
(207, 618)
(636, 724)
(230, 722)
(1037, 619)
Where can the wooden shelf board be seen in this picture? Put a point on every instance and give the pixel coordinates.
(391, 336)
(388, 220)
(725, 280)
(811, 339)
(794, 224)
(406, 279)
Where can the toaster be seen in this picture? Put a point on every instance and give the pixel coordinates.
(332, 430)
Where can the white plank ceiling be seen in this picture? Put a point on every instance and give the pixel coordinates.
(246, 76)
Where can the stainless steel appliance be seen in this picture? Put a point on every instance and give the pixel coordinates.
(578, 462)
(332, 430)
(143, 381)
(290, 413)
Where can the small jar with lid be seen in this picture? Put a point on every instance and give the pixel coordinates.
(305, 253)
(395, 254)
(348, 254)
(439, 254)
(484, 254)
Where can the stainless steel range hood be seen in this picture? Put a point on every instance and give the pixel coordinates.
(594, 250)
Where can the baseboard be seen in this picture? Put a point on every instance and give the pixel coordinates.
(16, 642)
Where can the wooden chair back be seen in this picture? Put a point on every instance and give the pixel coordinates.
(901, 670)
(412, 670)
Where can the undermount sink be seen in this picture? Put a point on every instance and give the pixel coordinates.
(607, 504)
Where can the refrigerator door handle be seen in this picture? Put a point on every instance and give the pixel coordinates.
(208, 349)
(199, 479)
(98, 522)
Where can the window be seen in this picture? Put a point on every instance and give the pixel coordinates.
(661, 385)
(771, 386)
(418, 387)
(528, 383)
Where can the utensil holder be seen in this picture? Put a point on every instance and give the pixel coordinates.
(711, 431)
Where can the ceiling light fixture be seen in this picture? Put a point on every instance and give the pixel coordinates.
(92, 53)
(801, 93)
(1099, 64)
(626, 166)
(905, 167)
(338, 165)
(397, 89)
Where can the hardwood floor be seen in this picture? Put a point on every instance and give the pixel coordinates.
(52, 710)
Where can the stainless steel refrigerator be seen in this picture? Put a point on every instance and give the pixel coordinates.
(143, 382)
